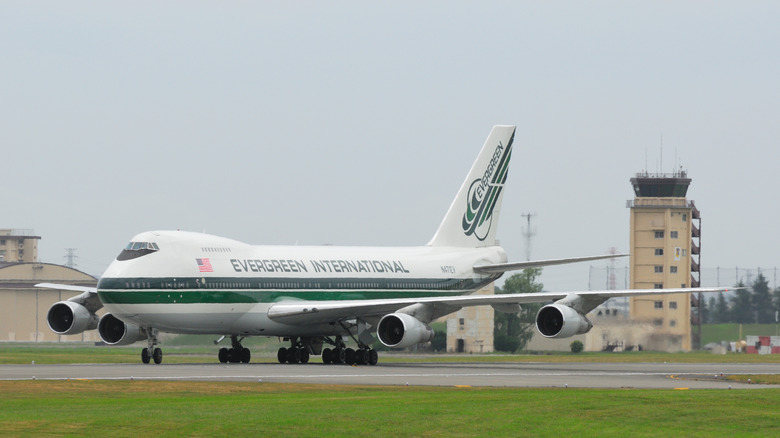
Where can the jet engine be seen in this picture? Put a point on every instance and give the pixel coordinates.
(559, 321)
(70, 318)
(399, 330)
(115, 332)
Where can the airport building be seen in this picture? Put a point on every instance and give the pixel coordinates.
(664, 247)
(470, 329)
(665, 241)
(18, 246)
(23, 306)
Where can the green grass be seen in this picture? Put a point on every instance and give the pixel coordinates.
(123, 408)
(730, 332)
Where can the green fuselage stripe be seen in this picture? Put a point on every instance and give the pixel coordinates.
(229, 290)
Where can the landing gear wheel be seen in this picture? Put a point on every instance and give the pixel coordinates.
(373, 357)
(281, 355)
(149, 353)
(157, 356)
(361, 357)
(293, 355)
(349, 356)
(339, 355)
(236, 353)
(304, 355)
(327, 356)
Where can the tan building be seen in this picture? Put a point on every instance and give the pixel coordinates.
(663, 255)
(470, 330)
(18, 246)
(23, 307)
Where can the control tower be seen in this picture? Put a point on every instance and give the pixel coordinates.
(664, 254)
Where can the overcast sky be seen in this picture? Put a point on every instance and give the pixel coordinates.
(354, 123)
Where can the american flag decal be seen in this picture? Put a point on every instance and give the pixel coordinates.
(204, 265)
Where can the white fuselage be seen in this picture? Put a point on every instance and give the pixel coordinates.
(198, 283)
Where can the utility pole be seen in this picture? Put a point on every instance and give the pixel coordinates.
(70, 257)
(528, 234)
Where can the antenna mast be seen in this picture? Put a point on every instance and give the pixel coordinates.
(528, 234)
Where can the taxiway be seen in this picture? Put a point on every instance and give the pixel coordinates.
(573, 375)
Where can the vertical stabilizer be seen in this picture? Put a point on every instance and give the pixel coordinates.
(473, 216)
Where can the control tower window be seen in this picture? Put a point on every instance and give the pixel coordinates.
(133, 250)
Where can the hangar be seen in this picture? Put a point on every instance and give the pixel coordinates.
(23, 306)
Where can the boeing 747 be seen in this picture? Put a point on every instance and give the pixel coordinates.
(319, 297)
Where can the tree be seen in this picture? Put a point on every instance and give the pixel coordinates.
(512, 331)
(761, 301)
(705, 310)
(712, 314)
(741, 311)
(439, 342)
(721, 310)
(776, 302)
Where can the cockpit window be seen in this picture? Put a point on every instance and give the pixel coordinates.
(136, 246)
(134, 250)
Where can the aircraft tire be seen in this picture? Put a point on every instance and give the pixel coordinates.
(246, 355)
(349, 356)
(327, 356)
(145, 355)
(304, 356)
(223, 355)
(157, 356)
(339, 356)
(373, 357)
(293, 355)
(281, 355)
(361, 357)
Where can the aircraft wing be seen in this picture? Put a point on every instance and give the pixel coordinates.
(88, 297)
(310, 312)
(514, 266)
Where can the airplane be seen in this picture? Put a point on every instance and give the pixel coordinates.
(318, 297)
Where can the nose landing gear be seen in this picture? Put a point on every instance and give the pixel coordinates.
(151, 352)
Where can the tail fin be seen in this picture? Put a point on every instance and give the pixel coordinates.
(473, 216)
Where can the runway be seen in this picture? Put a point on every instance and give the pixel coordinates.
(534, 375)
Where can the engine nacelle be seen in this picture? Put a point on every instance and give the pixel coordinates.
(70, 318)
(559, 321)
(113, 331)
(399, 330)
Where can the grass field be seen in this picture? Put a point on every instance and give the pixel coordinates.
(134, 408)
(131, 408)
(730, 332)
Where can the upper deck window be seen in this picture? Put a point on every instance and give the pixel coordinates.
(137, 249)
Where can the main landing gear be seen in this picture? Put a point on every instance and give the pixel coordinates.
(300, 352)
(152, 352)
(297, 353)
(235, 354)
(339, 355)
